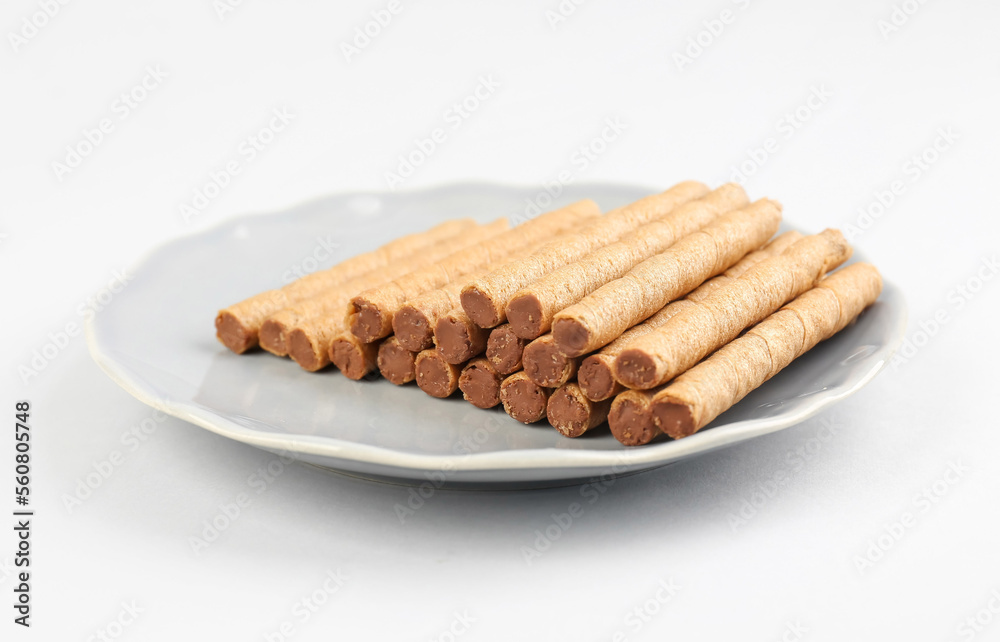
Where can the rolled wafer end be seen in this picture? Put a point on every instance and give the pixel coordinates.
(480, 308)
(480, 383)
(630, 420)
(304, 348)
(233, 333)
(435, 376)
(636, 369)
(571, 335)
(597, 379)
(525, 316)
(572, 414)
(504, 349)
(672, 417)
(412, 329)
(368, 321)
(395, 362)
(273, 337)
(523, 399)
(352, 357)
(545, 365)
(458, 338)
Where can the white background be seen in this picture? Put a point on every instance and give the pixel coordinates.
(792, 565)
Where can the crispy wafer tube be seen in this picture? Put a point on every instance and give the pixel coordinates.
(602, 316)
(435, 376)
(630, 419)
(572, 414)
(523, 399)
(545, 365)
(531, 309)
(596, 376)
(486, 298)
(504, 349)
(396, 363)
(458, 339)
(353, 358)
(480, 383)
(237, 326)
(414, 323)
(696, 331)
(705, 391)
(332, 301)
(372, 311)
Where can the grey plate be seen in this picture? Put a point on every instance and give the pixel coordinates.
(157, 341)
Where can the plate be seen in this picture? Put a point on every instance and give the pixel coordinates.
(157, 341)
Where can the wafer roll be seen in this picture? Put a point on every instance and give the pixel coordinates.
(372, 311)
(602, 316)
(486, 298)
(396, 363)
(237, 326)
(353, 358)
(699, 329)
(504, 349)
(531, 309)
(458, 339)
(480, 383)
(572, 414)
(705, 391)
(333, 301)
(435, 376)
(523, 399)
(630, 418)
(596, 374)
(545, 365)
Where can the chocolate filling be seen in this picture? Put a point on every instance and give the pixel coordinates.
(412, 329)
(367, 322)
(595, 379)
(480, 386)
(348, 358)
(545, 365)
(631, 423)
(524, 401)
(233, 334)
(480, 309)
(567, 414)
(636, 369)
(456, 341)
(396, 363)
(434, 376)
(504, 350)
(525, 316)
(272, 337)
(673, 418)
(301, 348)
(570, 336)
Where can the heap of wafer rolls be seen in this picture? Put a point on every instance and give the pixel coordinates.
(651, 319)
